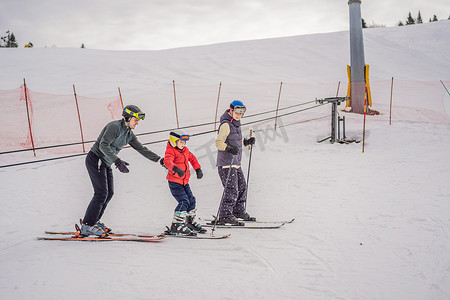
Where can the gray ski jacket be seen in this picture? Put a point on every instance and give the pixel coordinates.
(114, 136)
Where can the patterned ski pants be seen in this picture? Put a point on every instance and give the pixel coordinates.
(235, 194)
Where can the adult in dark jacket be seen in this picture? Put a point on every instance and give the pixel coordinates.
(229, 143)
(114, 136)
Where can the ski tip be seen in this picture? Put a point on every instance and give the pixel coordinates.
(212, 235)
(218, 236)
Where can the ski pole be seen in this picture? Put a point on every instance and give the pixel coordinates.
(223, 195)
(248, 174)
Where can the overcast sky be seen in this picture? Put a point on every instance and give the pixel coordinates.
(163, 24)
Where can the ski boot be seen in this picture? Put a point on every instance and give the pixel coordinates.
(192, 224)
(245, 216)
(103, 226)
(87, 230)
(230, 220)
(178, 226)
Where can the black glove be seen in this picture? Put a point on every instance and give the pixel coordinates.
(121, 165)
(249, 141)
(199, 173)
(178, 171)
(232, 149)
(161, 162)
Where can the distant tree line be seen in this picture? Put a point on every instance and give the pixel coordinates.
(9, 41)
(373, 25)
(409, 21)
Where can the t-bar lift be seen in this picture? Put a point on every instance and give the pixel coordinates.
(335, 101)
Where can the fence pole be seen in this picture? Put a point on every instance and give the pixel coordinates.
(364, 126)
(390, 105)
(28, 116)
(120, 95)
(278, 105)
(337, 92)
(175, 99)
(79, 118)
(444, 86)
(217, 106)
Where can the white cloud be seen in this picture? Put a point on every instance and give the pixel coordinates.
(158, 24)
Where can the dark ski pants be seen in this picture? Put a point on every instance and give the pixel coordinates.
(184, 196)
(102, 181)
(235, 193)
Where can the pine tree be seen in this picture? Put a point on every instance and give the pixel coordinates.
(435, 18)
(4, 40)
(410, 20)
(82, 46)
(364, 25)
(419, 18)
(12, 41)
(9, 40)
(400, 23)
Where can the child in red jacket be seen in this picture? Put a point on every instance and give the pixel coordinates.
(177, 159)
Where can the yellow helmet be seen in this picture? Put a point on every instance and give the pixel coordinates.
(177, 135)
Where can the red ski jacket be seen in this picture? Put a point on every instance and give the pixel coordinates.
(181, 159)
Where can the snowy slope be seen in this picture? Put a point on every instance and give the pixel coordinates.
(371, 225)
(419, 53)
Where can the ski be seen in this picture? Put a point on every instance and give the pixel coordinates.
(200, 237)
(247, 226)
(110, 234)
(103, 239)
(210, 220)
(144, 236)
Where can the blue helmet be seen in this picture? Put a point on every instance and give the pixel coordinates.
(238, 106)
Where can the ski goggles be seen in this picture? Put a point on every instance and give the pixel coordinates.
(183, 137)
(240, 109)
(139, 115)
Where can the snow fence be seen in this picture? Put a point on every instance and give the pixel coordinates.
(33, 120)
(49, 122)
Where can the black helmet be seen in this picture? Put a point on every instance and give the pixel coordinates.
(132, 111)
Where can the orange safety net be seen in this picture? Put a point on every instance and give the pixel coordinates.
(53, 120)
(413, 101)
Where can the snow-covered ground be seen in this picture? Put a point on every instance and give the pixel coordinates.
(372, 225)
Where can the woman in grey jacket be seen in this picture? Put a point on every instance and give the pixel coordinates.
(114, 136)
